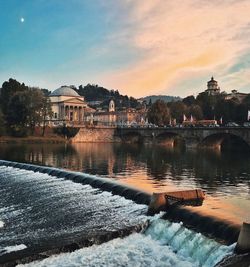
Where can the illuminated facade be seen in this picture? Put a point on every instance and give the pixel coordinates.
(67, 106)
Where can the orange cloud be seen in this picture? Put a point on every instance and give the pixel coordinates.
(177, 37)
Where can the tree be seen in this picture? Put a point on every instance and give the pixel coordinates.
(46, 92)
(9, 88)
(94, 92)
(46, 112)
(246, 101)
(177, 109)
(226, 109)
(196, 112)
(17, 114)
(34, 100)
(2, 124)
(26, 109)
(189, 100)
(150, 102)
(159, 113)
(208, 104)
(241, 112)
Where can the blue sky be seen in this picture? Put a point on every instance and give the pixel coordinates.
(138, 47)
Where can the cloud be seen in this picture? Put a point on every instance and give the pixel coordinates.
(177, 39)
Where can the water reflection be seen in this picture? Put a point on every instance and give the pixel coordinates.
(209, 169)
(152, 168)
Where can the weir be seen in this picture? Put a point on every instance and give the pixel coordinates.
(43, 215)
(176, 213)
(209, 226)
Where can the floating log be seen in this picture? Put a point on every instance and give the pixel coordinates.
(161, 201)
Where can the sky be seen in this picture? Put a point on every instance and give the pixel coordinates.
(139, 47)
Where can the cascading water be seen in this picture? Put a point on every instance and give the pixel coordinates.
(192, 246)
(41, 211)
(38, 210)
(162, 244)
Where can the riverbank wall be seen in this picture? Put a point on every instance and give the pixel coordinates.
(96, 135)
(32, 140)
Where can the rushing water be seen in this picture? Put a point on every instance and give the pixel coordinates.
(39, 211)
(163, 244)
(225, 177)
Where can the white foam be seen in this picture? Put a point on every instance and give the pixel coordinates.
(135, 250)
(187, 243)
(163, 244)
(1, 224)
(10, 249)
(30, 218)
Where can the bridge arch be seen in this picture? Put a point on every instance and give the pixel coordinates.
(225, 141)
(170, 139)
(132, 137)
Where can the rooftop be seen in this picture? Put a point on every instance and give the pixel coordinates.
(64, 91)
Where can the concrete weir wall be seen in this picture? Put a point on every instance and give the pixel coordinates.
(95, 134)
(209, 226)
(102, 183)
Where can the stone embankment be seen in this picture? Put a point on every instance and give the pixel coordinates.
(32, 140)
(95, 134)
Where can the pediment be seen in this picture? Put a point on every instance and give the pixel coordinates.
(74, 100)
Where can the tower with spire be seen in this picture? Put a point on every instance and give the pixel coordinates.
(212, 87)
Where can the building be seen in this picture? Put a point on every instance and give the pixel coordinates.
(235, 95)
(132, 116)
(212, 87)
(214, 90)
(70, 108)
(107, 118)
(111, 117)
(67, 107)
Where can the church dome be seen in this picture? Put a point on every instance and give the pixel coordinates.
(64, 91)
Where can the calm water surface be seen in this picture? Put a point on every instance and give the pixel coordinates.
(224, 176)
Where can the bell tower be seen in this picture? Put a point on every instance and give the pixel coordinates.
(111, 105)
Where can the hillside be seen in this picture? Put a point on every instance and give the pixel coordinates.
(165, 98)
(98, 94)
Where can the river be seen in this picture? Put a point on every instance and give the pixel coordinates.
(225, 177)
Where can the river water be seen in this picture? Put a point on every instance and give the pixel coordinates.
(40, 213)
(45, 210)
(225, 177)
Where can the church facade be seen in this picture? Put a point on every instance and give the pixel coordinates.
(68, 107)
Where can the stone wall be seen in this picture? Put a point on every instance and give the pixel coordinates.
(94, 134)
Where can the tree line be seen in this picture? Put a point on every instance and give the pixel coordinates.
(22, 108)
(94, 92)
(204, 106)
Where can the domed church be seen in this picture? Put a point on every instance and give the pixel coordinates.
(67, 106)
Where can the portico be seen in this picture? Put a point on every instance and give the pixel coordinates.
(68, 106)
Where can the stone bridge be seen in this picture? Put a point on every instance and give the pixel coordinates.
(214, 137)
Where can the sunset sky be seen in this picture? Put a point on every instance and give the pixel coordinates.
(140, 47)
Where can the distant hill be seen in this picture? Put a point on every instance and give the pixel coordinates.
(101, 96)
(165, 98)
